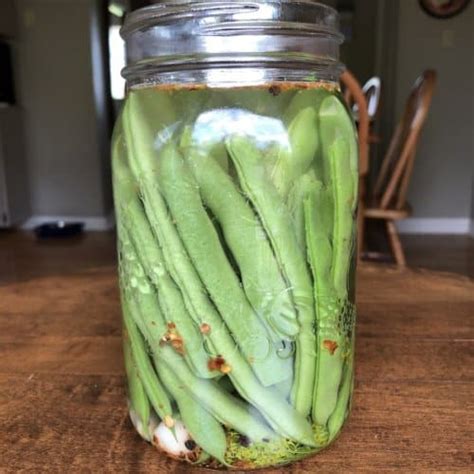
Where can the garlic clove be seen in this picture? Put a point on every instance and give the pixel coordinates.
(174, 441)
(143, 431)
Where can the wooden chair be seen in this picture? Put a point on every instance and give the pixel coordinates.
(372, 90)
(354, 94)
(373, 94)
(388, 201)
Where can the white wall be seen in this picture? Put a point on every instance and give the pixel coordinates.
(56, 91)
(442, 183)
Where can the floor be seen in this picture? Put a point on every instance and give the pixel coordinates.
(22, 257)
(445, 253)
(453, 254)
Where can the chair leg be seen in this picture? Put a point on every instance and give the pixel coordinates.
(395, 244)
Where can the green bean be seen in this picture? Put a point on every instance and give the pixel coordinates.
(329, 370)
(285, 387)
(226, 408)
(218, 152)
(302, 99)
(296, 197)
(275, 218)
(276, 411)
(226, 384)
(295, 158)
(304, 154)
(318, 216)
(154, 390)
(202, 243)
(131, 215)
(329, 338)
(340, 413)
(139, 402)
(203, 427)
(203, 458)
(143, 165)
(263, 283)
(222, 405)
(338, 138)
(344, 238)
(201, 136)
(133, 280)
(330, 258)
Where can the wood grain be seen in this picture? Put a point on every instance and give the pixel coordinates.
(62, 401)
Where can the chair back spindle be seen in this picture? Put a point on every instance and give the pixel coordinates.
(391, 186)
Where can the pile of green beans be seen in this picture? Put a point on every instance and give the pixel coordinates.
(235, 214)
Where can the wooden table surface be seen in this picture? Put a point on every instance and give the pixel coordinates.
(62, 402)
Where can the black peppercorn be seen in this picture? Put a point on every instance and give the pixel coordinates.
(244, 441)
(190, 444)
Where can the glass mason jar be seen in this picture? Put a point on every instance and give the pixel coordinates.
(235, 183)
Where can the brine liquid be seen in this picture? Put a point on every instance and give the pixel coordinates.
(235, 214)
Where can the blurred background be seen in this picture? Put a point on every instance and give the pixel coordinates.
(60, 90)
